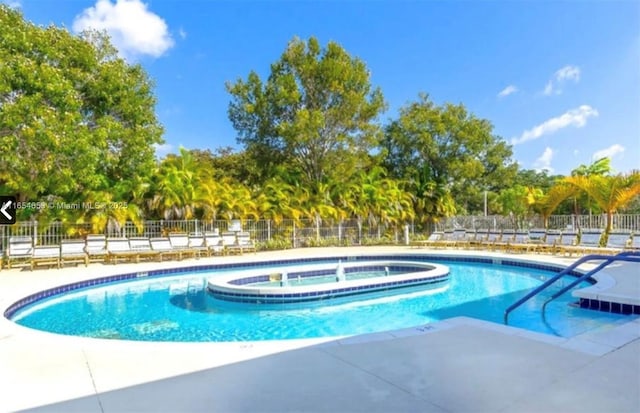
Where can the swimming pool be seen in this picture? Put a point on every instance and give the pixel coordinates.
(174, 306)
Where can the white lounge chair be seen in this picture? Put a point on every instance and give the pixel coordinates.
(45, 255)
(228, 241)
(72, 251)
(567, 242)
(589, 243)
(431, 241)
(520, 243)
(459, 238)
(634, 244)
(198, 243)
(19, 249)
(214, 243)
(617, 241)
(550, 242)
(96, 247)
(180, 242)
(243, 243)
(479, 237)
(446, 240)
(536, 235)
(141, 248)
(506, 238)
(493, 237)
(119, 248)
(164, 249)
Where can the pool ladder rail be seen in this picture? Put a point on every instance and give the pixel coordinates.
(628, 256)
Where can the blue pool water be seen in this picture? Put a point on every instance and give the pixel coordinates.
(178, 308)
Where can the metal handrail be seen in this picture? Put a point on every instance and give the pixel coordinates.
(631, 256)
(635, 257)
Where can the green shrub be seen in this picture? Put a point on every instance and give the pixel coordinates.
(274, 244)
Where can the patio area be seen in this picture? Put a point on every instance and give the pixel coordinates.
(457, 365)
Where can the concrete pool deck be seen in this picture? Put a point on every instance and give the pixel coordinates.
(456, 365)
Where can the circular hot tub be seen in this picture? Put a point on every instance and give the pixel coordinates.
(324, 281)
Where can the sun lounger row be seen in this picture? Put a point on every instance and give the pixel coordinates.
(588, 241)
(99, 248)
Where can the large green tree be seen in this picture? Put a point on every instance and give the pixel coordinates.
(536, 179)
(227, 163)
(315, 113)
(448, 152)
(74, 118)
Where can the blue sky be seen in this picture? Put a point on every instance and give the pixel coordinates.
(558, 80)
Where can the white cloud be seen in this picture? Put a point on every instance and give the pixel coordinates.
(14, 4)
(560, 77)
(162, 149)
(574, 117)
(182, 33)
(543, 163)
(134, 30)
(507, 91)
(609, 152)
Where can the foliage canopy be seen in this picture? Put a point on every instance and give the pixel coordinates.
(315, 113)
(78, 124)
(74, 118)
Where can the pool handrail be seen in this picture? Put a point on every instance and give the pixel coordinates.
(631, 256)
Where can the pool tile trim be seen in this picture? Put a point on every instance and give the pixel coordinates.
(51, 292)
(609, 306)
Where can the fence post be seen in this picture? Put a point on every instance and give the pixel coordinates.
(35, 233)
(196, 227)
(406, 234)
(340, 232)
(269, 230)
(293, 241)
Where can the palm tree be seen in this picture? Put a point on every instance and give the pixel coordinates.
(348, 202)
(236, 201)
(209, 198)
(111, 209)
(599, 167)
(548, 202)
(432, 198)
(276, 201)
(399, 203)
(382, 200)
(176, 189)
(610, 193)
(320, 205)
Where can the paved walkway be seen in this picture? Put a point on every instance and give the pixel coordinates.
(457, 365)
(455, 368)
(619, 283)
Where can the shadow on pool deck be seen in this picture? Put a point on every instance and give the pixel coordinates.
(458, 369)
